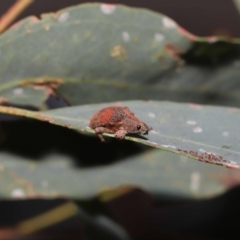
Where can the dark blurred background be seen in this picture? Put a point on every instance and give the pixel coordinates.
(201, 17)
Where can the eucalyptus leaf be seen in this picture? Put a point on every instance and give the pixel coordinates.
(206, 133)
(98, 53)
(24, 96)
(159, 171)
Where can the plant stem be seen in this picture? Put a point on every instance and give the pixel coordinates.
(13, 13)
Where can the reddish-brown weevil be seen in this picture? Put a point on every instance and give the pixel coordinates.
(117, 120)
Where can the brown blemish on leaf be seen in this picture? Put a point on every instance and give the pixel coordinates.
(119, 53)
(21, 181)
(39, 116)
(226, 146)
(49, 86)
(209, 158)
(174, 52)
(136, 39)
(47, 28)
(16, 24)
(212, 39)
(195, 106)
(45, 119)
(55, 14)
(28, 31)
(34, 19)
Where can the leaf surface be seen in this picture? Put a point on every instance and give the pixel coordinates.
(206, 133)
(159, 171)
(24, 96)
(101, 53)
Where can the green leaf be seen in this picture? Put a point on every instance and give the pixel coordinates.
(24, 96)
(206, 133)
(98, 53)
(90, 47)
(56, 174)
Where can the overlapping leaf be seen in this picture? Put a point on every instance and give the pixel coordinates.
(98, 53)
(90, 47)
(155, 170)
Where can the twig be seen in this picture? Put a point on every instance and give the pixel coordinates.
(13, 13)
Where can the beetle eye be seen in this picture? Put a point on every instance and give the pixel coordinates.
(138, 127)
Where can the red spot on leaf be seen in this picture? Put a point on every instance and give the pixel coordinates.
(195, 106)
(34, 19)
(16, 25)
(47, 119)
(188, 34)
